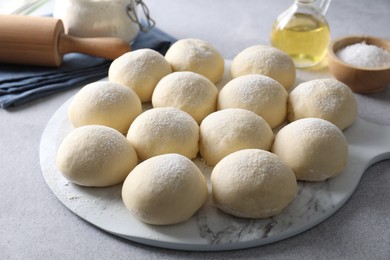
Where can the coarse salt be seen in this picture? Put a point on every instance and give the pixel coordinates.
(364, 55)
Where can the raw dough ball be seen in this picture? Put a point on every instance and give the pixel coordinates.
(164, 130)
(197, 56)
(252, 183)
(163, 190)
(267, 61)
(313, 148)
(105, 103)
(328, 99)
(95, 155)
(140, 70)
(229, 130)
(257, 93)
(188, 91)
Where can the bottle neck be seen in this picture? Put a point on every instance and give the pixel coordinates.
(322, 6)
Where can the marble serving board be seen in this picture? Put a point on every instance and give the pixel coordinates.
(210, 229)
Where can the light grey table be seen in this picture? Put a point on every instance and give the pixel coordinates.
(35, 225)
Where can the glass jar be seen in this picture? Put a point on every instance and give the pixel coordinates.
(103, 18)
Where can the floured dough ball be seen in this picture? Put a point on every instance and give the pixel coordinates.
(166, 189)
(229, 130)
(197, 56)
(252, 183)
(164, 130)
(139, 70)
(257, 93)
(313, 148)
(328, 99)
(188, 91)
(267, 61)
(105, 103)
(95, 155)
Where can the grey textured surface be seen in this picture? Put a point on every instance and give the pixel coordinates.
(35, 225)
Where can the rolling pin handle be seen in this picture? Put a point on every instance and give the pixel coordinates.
(109, 48)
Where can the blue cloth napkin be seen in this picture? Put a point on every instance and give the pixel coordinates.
(21, 84)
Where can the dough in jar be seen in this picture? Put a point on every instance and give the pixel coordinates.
(265, 60)
(188, 91)
(252, 183)
(313, 148)
(229, 130)
(105, 103)
(197, 56)
(257, 93)
(164, 130)
(328, 99)
(95, 155)
(165, 189)
(139, 70)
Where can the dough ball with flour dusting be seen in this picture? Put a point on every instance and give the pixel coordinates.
(188, 91)
(229, 130)
(257, 93)
(164, 130)
(197, 56)
(313, 148)
(328, 99)
(252, 183)
(105, 103)
(165, 189)
(139, 70)
(95, 155)
(267, 61)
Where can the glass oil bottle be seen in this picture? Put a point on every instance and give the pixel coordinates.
(303, 32)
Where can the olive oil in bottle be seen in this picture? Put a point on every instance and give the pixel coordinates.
(304, 36)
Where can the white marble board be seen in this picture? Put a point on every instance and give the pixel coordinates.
(210, 229)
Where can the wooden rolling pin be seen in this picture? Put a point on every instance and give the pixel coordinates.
(42, 41)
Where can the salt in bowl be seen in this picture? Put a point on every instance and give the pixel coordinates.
(362, 80)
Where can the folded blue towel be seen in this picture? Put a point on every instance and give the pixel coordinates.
(21, 84)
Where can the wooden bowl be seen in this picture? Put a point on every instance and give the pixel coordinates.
(359, 79)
